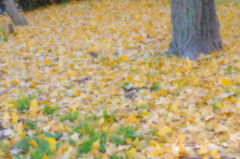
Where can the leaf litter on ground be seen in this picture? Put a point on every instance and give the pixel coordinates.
(74, 65)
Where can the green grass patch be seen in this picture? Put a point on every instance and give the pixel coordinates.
(70, 116)
(4, 148)
(127, 132)
(155, 87)
(52, 135)
(50, 109)
(37, 151)
(103, 140)
(115, 157)
(117, 140)
(23, 103)
(90, 138)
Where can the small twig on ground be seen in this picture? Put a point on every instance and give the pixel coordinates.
(7, 89)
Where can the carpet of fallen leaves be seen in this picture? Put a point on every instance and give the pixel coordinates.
(96, 84)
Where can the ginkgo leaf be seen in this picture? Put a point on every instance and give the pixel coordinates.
(8, 132)
(214, 153)
(57, 128)
(15, 81)
(33, 108)
(33, 143)
(76, 92)
(6, 116)
(221, 106)
(90, 73)
(175, 107)
(95, 146)
(225, 95)
(145, 112)
(136, 142)
(221, 128)
(154, 96)
(14, 118)
(131, 153)
(20, 128)
(45, 157)
(178, 69)
(226, 82)
(114, 128)
(140, 102)
(33, 105)
(181, 138)
(47, 62)
(175, 151)
(124, 58)
(101, 121)
(154, 154)
(165, 130)
(71, 74)
(52, 143)
(203, 149)
(209, 117)
(33, 84)
(128, 79)
(162, 92)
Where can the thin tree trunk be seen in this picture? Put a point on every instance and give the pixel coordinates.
(195, 28)
(14, 13)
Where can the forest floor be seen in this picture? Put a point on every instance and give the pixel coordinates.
(90, 80)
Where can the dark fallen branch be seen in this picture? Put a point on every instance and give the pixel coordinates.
(7, 89)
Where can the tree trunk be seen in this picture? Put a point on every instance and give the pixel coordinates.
(14, 13)
(195, 28)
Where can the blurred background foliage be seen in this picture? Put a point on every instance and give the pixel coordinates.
(27, 5)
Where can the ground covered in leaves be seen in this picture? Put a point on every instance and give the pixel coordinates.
(90, 80)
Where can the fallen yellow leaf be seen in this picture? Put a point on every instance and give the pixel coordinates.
(6, 116)
(33, 106)
(52, 142)
(203, 150)
(165, 130)
(131, 153)
(226, 82)
(124, 58)
(33, 143)
(14, 118)
(95, 146)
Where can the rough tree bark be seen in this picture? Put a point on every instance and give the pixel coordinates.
(14, 13)
(195, 28)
